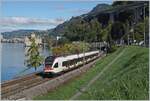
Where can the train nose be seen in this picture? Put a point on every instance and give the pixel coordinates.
(48, 69)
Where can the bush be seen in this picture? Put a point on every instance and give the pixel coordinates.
(112, 49)
(70, 48)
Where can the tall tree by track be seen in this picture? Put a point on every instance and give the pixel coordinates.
(34, 58)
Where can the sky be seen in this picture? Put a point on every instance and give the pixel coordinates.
(41, 14)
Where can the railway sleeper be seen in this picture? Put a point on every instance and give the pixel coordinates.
(13, 87)
(16, 81)
(19, 90)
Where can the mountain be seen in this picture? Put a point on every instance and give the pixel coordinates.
(61, 29)
(21, 33)
(101, 12)
(99, 8)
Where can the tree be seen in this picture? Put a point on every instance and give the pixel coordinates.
(120, 3)
(104, 33)
(57, 51)
(70, 48)
(62, 41)
(95, 30)
(77, 31)
(106, 36)
(140, 28)
(108, 32)
(49, 40)
(117, 31)
(34, 60)
(127, 32)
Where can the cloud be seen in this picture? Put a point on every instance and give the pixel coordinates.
(24, 21)
(16, 23)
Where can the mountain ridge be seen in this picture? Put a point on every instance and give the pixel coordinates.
(58, 30)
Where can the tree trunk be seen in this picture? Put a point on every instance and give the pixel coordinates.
(35, 68)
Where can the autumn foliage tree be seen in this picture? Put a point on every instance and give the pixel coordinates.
(70, 48)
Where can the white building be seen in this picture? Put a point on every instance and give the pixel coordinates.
(27, 41)
(1, 37)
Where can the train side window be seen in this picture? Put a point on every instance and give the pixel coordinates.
(56, 65)
(65, 63)
(71, 62)
(76, 60)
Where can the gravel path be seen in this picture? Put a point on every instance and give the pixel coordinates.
(96, 77)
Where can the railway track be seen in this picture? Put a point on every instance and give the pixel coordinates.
(16, 86)
(17, 80)
(20, 84)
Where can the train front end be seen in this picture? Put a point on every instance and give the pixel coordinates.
(48, 64)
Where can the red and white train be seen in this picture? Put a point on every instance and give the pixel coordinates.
(56, 65)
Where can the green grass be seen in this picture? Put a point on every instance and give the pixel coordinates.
(127, 78)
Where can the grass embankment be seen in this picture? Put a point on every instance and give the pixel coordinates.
(126, 78)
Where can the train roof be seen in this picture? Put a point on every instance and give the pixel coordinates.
(70, 57)
(50, 58)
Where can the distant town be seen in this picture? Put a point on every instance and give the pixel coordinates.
(25, 40)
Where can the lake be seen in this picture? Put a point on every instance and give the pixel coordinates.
(13, 59)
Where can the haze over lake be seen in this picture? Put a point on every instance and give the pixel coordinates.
(13, 58)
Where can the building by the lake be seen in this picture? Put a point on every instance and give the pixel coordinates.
(1, 37)
(11, 40)
(27, 41)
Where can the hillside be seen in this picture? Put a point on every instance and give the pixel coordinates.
(62, 28)
(22, 33)
(101, 13)
(123, 75)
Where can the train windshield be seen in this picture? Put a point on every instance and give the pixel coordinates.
(49, 60)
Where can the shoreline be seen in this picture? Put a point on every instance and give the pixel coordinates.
(20, 77)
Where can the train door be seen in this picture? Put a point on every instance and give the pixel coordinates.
(58, 66)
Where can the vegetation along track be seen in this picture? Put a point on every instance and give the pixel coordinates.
(127, 78)
(15, 86)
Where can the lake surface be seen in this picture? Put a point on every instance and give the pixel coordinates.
(13, 59)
